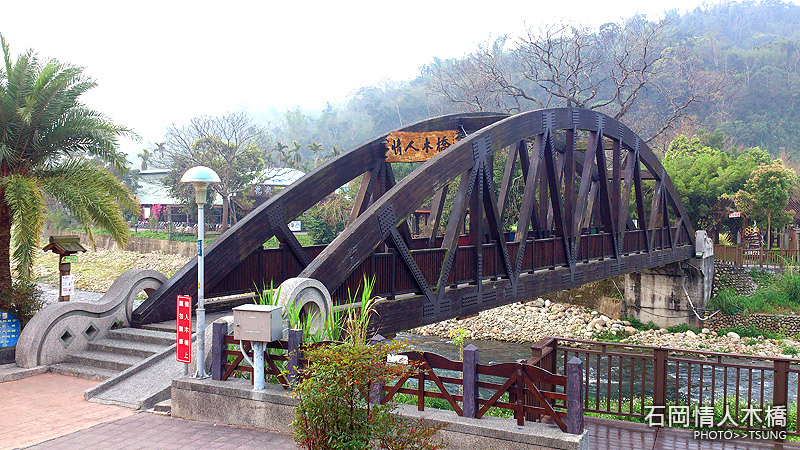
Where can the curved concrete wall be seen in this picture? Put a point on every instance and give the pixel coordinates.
(66, 327)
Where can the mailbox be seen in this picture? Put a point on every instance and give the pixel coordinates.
(258, 323)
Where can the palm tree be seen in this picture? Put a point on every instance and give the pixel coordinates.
(47, 137)
(145, 156)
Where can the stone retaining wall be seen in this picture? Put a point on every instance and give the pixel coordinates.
(789, 325)
(141, 245)
(729, 275)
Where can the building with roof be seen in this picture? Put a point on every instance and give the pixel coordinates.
(272, 180)
(152, 191)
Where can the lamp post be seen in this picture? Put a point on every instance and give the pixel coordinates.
(200, 177)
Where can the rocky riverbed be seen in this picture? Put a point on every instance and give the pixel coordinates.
(531, 321)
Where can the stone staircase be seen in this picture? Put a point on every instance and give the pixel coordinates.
(106, 358)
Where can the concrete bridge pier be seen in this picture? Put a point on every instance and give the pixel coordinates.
(675, 293)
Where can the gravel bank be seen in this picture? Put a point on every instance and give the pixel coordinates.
(531, 321)
(96, 270)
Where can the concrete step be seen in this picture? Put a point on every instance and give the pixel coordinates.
(81, 371)
(164, 407)
(103, 360)
(144, 336)
(130, 348)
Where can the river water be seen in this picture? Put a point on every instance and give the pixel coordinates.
(489, 352)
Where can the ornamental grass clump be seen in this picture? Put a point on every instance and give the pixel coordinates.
(334, 410)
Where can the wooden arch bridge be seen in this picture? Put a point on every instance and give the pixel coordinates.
(589, 198)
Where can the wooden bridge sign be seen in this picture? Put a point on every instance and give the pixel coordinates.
(404, 146)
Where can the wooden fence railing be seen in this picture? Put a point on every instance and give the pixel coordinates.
(759, 257)
(620, 379)
(470, 388)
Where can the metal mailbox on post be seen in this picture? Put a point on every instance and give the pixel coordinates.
(258, 324)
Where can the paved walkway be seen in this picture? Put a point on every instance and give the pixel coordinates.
(618, 435)
(151, 431)
(46, 406)
(49, 411)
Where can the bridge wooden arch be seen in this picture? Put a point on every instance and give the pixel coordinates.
(595, 203)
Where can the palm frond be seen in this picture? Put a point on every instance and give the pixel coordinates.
(24, 196)
(94, 196)
(42, 118)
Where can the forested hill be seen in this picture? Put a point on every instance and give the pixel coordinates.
(739, 62)
(760, 44)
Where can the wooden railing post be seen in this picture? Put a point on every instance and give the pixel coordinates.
(660, 379)
(470, 380)
(543, 354)
(295, 340)
(780, 391)
(575, 396)
(218, 332)
(376, 390)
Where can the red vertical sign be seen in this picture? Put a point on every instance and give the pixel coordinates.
(183, 335)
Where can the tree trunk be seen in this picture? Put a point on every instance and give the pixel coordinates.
(233, 212)
(225, 214)
(5, 245)
(769, 231)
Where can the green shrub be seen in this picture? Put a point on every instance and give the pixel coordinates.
(333, 409)
(24, 300)
(761, 277)
(682, 328)
(789, 349)
(608, 336)
(440, 403)
(781, 294)
(752, 332)
(636, 323)
(726, 301)
(55, 218)
(163, 235)
(788, 286)
(327, 219)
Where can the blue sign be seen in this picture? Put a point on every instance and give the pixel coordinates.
(9, 329)
(199, 248)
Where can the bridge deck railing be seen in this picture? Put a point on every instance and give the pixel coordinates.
(634, 381)
(469, 388)
(274, 265)
(758, 257)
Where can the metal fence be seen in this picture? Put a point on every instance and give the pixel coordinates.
(629, 381)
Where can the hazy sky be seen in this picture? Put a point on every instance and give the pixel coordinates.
(164, 62)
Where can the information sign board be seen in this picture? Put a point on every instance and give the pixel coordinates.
(183, 332)
(9, 329)
(406, 146)
(67, 285)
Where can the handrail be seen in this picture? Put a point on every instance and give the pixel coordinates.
(674, 349)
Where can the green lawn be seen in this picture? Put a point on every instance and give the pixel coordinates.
(303, 238)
